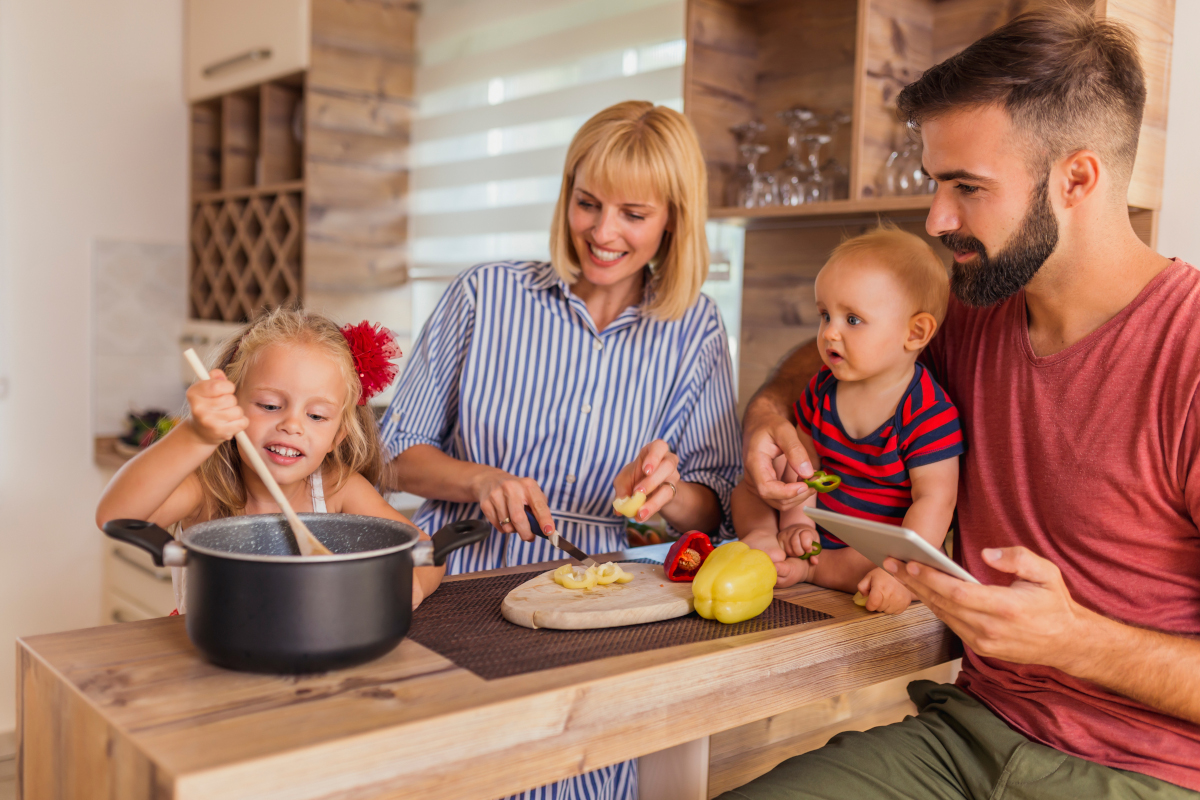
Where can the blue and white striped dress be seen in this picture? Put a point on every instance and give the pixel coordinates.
(510, 371)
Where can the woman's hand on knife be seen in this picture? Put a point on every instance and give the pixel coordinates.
(502, 498)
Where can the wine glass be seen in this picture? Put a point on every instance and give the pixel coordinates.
(751, 189)
(835, 172)
(794, 173)
(817, 187)
(912, 177)
(745, 133)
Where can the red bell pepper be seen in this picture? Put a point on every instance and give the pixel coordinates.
(686, 555)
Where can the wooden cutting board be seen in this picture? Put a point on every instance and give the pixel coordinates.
(649, 597)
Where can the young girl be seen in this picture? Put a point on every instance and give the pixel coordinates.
(298, 386)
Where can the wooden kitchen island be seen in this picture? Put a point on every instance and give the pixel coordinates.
(131, 711)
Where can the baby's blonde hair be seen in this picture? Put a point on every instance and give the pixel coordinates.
(910, 259)
(637, 146)
(360, 449)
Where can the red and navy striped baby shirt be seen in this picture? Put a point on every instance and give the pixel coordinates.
(874, 470)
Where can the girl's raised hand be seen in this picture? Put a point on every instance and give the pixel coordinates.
(216, 415)
(652, 473)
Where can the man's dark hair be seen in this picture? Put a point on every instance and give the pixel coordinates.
(1071, 81)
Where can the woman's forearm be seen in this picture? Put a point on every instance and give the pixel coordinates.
(696, 508)
(428, 472)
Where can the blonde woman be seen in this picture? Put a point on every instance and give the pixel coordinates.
(562, 385)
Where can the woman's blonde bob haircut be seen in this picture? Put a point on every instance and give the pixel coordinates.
(636, 149)
(359, 450)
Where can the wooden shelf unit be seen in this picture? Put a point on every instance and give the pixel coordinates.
(247, 209)
(749, 59)
(300, 182)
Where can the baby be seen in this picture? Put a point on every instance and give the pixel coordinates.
(872, 416)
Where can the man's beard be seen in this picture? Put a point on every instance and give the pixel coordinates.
(985, 281)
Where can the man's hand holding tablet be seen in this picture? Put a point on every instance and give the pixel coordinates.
(1027, 622)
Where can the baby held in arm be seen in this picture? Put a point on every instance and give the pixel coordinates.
(872, 416)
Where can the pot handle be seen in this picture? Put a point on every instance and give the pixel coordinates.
(160, 544)
(448, 539)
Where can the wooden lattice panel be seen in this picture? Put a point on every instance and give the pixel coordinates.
(245, 255)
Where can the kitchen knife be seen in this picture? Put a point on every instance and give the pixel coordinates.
(558, 541)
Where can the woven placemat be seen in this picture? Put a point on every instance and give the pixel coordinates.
(461, 621)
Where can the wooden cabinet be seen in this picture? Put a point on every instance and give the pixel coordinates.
(299, 174)
(234, 44)
(749, 59)
(134, 588)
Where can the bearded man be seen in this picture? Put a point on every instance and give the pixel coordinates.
(1073, 354)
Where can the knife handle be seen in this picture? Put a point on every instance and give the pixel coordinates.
(534, 525)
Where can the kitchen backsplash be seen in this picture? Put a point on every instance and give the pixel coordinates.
(139, 303)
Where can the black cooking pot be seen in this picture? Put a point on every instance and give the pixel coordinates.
(255, 604)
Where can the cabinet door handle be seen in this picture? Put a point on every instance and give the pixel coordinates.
(248, 57)
(151, 571)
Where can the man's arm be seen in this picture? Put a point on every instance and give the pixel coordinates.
(768, 431)
(1036, 621)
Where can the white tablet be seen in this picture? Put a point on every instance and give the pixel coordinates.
(878, 541)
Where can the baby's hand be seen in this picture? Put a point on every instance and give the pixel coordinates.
(791, 571)
(799, 540)
(216, 415)
(884, 593)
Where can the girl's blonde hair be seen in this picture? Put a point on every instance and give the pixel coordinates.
(360, 449)
(631, 149)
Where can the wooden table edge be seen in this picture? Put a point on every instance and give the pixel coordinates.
(567, 742)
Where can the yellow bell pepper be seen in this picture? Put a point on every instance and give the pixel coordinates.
(610, 572)
(575, 577)
(734, 584)
(629, 506)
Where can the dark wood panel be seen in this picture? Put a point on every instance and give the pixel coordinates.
(718, 92)
(335, 69)
(282, 157)
(206, 147)
(239, 139)
(382, 116)
(384, 27)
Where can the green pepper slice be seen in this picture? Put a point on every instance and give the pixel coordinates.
(816, 551)
(823, 482)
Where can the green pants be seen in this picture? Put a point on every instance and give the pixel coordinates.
(954, 749)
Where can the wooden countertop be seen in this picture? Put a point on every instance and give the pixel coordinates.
(131, 711)
(105, 453)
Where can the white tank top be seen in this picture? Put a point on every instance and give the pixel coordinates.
(179, 574)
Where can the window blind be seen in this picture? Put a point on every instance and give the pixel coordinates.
(501, 87)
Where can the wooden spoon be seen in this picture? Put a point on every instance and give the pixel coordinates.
(309, 545)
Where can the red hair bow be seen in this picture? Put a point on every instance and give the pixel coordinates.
(373, 348)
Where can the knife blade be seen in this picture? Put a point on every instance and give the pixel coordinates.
(558, 541)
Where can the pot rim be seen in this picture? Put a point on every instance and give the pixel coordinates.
(187, 535)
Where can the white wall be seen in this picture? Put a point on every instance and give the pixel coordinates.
(92, 145)
(1179, 222)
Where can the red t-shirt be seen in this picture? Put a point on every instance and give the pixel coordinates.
(1090, 458)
